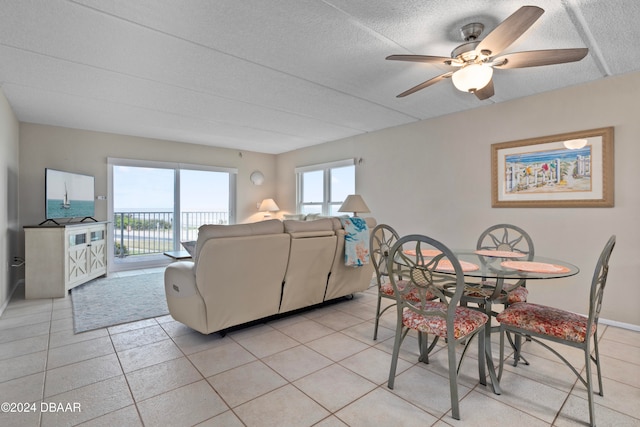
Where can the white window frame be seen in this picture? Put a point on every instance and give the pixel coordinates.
(326, 203)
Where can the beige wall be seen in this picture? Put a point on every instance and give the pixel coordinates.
(433, 177)
(9, 241)
(87, 152)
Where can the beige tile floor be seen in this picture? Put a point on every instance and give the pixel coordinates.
(317, 368)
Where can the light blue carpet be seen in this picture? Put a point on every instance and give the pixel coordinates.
(111, 301)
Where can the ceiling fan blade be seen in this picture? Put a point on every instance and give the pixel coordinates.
(486, 92)
(425, 84)
(536, 58)
(509, 30)
(421, 58)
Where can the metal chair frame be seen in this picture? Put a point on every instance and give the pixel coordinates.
(501, 237)
(383, 237)
(598, 284)
(421, 275)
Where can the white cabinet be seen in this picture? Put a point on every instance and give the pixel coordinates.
(61, 257)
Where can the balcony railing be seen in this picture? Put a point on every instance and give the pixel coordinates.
(148, 233)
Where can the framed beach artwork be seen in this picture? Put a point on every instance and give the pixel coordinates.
(567, 170)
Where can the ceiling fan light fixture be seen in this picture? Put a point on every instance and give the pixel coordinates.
(575, 144)
(472, 77)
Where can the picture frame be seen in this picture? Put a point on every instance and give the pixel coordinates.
(544, 172)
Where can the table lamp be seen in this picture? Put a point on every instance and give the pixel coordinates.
(268, 205)
(354, 203)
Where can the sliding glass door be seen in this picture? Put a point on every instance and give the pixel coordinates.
(143, 214)
(204, 199)
(154, 206)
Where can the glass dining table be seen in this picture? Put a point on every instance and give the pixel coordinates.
(495, 273)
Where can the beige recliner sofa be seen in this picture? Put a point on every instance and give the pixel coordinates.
(246, 272)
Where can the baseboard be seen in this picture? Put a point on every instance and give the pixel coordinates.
(6, 303)
(620, 325)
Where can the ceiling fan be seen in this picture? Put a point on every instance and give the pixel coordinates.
(476, 59)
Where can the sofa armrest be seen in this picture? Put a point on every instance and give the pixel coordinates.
(348, 280)
(185, 303)
(180, 280)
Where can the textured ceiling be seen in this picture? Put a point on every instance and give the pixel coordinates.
(273, 76)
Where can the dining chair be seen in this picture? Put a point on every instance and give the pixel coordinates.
(539, 322)
(508, 238)
(383, 237)
(430, 268)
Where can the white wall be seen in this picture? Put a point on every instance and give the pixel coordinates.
(9, 241)
(433, 177)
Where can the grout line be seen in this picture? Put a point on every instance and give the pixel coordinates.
(369, 345)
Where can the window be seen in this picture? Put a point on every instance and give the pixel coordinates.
(322, 188)
(154, 206)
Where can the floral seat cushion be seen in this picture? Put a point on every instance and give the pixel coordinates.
(387, 289)
(485, 289)
(545, 320)
(519, 294)
(466, 320)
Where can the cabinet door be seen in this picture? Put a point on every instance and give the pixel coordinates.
(97, 250)
(77, 259)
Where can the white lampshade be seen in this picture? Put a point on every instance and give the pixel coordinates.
(574, 144)
(472, 77)
(354, 203)
(268, 205)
